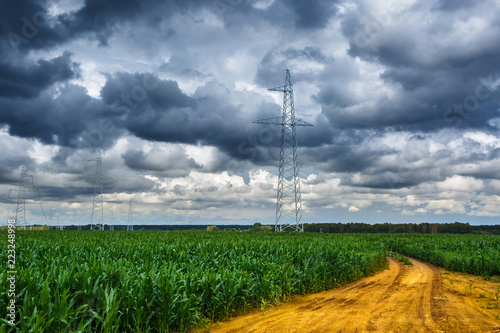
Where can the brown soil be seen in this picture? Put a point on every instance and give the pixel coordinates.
(418, 298)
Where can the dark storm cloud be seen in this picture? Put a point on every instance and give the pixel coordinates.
(138, 92)
(151, 109)
(69, 193)
(28, 80)
(60, 120)
(157, 110)
(383, 104)
(322, 133)
(433, 74)
(167, 164)
(270, 71)
(135, 185)
(103, 18)
(36, 101)
(348, 151)
(166, 113)
(11, 163)
(362, 158)
(313, 14)
(7, 180)
(345, 159)
(16, 24)
(307, 53)
(28, 24)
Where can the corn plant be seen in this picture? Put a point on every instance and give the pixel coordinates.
(84, 281)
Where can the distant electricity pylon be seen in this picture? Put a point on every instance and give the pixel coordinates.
(21, 198)
(59, 226)
(112, 222)
(130, 225)
(97, 219)
(288, 202)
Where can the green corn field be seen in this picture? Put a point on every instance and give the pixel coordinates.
(84, 281)
(473, 254)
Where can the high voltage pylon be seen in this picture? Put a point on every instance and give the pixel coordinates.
(52, 213)
(97, 218)
(21, 198)
(130, 225)
(288, 200)
(112, 221)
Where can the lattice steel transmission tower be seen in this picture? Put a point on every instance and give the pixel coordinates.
(288, 201)
(130, 226)
(97, 219)
(112, 222)
(21, 200)
(52, 213)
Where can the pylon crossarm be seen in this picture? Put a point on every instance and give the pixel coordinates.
(279, 121)
(300, 122)
(269, 121)
(284, 89)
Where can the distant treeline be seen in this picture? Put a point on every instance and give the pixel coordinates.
(164, 227)
(424, 228)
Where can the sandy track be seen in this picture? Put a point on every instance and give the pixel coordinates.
(419, 298)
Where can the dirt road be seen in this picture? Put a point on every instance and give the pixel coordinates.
(418, 298)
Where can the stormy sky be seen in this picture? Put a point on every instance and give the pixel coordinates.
(403, 96)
